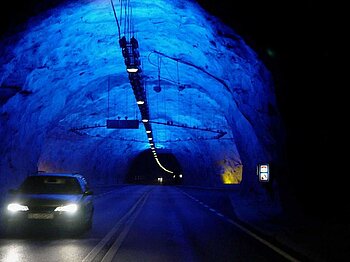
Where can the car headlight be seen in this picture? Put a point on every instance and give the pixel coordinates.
(15, 207)
(71, 208)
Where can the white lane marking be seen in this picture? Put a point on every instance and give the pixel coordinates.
(96, 250)
(117, 243)
(250, 233)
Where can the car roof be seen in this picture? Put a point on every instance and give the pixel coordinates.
(58, 174)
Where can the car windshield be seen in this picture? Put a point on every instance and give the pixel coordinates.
(50, 185)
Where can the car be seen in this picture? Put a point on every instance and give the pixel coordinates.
(56, 199)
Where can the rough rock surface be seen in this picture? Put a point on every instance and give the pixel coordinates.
(65, 70)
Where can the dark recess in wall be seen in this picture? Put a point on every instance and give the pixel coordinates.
(144, 169)
(300, 43)
(15, 13)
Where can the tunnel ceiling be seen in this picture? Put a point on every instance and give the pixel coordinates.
(211, 100)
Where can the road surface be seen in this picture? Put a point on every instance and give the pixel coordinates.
(145, 223)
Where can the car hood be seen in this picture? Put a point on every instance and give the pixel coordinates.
(45, 199)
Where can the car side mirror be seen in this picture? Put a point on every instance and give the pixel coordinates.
(88, 192)
(13, 191)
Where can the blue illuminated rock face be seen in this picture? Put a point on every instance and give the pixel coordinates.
(70, 74)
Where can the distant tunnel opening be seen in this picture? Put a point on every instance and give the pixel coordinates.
(145, 170)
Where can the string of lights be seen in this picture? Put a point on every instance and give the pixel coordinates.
(130, 51)
(132, 61)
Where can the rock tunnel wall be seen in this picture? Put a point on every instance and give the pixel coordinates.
(67, 72)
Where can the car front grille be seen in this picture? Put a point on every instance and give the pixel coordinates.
(41, 209)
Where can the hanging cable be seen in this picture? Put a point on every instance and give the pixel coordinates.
(116, 18)
(108, 87)
(130, 22)
(178, 90)
(125, 19)
(121, 13)
(129, 45)
(132, 25)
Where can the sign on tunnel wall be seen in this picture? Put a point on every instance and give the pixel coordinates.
(123, 124)
(263, 172)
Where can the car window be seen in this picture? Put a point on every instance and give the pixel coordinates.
(50, 185)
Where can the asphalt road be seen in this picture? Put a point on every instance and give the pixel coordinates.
(145, 223)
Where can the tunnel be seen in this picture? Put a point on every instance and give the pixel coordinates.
(144, 170)
(210, 99)
(197, 96)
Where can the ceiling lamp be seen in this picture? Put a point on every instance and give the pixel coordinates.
(131, 69)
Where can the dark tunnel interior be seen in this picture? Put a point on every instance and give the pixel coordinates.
(144, 170)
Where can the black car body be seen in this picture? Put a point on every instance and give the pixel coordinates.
(51, 198)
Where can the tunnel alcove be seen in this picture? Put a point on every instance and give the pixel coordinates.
(145, 170)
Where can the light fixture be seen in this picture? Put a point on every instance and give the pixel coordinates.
(148, 131)
(140, 102)
(150, 138)
(145, 120)
(132, 69)
(162, 167)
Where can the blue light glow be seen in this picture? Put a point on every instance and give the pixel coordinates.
(77, 78)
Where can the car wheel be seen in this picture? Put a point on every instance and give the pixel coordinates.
(88, 225)
(85, 226)
(10, 229)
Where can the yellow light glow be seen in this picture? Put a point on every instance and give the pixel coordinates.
(232, 172)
